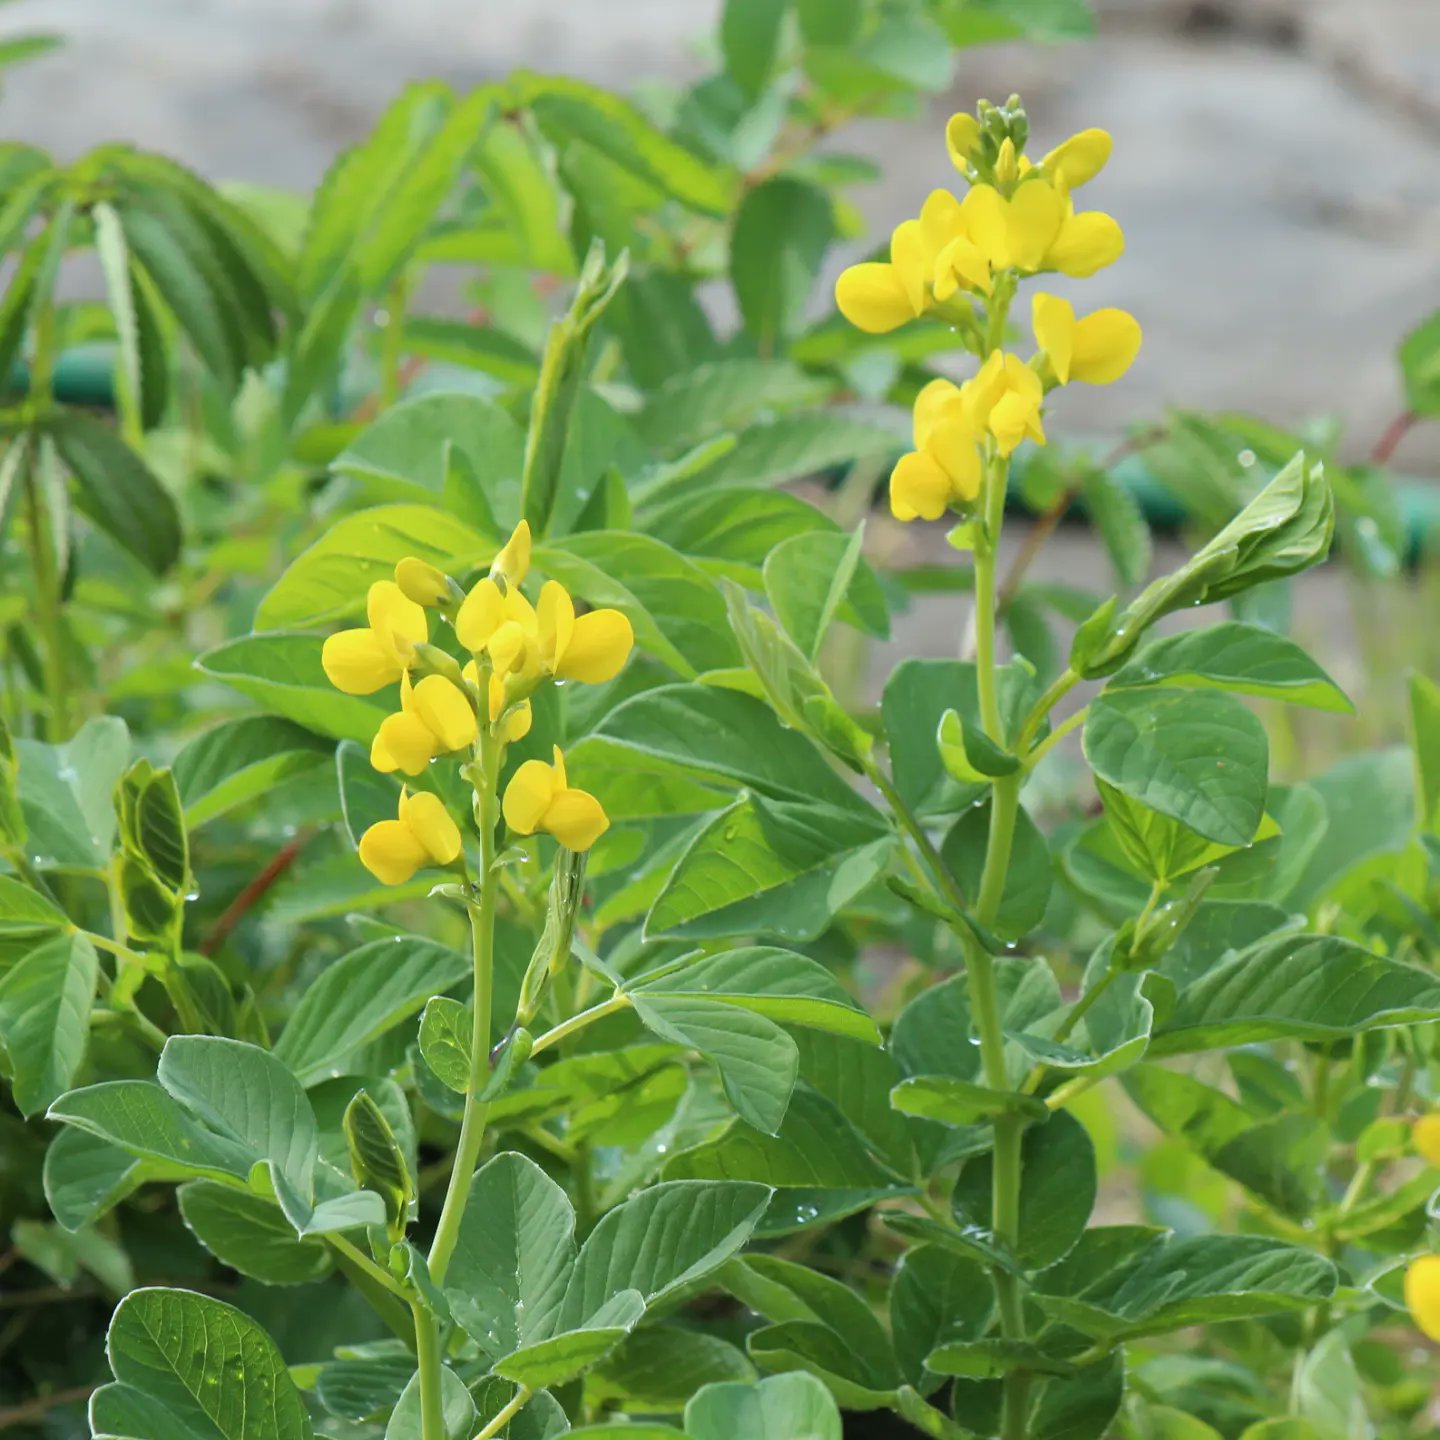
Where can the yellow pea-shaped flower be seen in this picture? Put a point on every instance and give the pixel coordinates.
(944, 468)
(422, 834)
(422, 582)
(366, 659)
(592, 647)
(1425, 1133)
(512, 564)
(1422, 1294)
(520, 716)
(539, 798)
(1006, 397)
(435, 718)
(1080, 158)
(1097, 349)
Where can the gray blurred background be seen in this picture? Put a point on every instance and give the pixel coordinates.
(1277, 173)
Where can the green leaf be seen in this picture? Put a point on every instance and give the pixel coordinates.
(282, 672)
(665, 1238)
(780, 1407)
(794, 447)
(210, 1367)
(830, 22)
(960, 1102)
(1425, 733)
(769, 868)
(86, 1176)
(1116, 514)
(378, 1162)
(329, 581)
(250, 1234)
(777, 246)
(1083, 1406)
(693, 405)
(750, 33)
(144, 382)
(247, 1095)
(786, 987)
(561, 1358)
(457, 1409)
(513, 1258)
(239, 760)
(937, 1298)
(1175, 1283)
(809, 575)
(1312, 987)
(445, 1029)
(65, 794)
(360, 997)
(1419, 357)
(45, 1018)
(757, 1061)
(1027, 880)
(989, 1359)
(1200, 758)
(1232, 656)
(660, 1367)
(27, 914)
(1057, 1190)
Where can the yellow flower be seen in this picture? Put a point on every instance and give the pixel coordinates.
(539, 798)
(500, 622)
(520, 718)
(1422, 1294)
(962, 134)
(1080, 158)
(424, 834)
(512, 564)
(878, 296)
(1426, 1135)
(592, 647)
(421, 581)
(435, 718)
(1005, 397)
(944, 467)
(1098, 349)
(1037, 229)
(364, 660)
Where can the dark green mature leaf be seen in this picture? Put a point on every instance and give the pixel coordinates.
(780, 1407)
(512, 1261)
(33, 282)
(1201, 758)
(750, 33)
(1296, 986)
(664, 1238)
(65, 794)
(794, 447)
(757, 1061)
(378, 1160)
(206, 1366)
(1057, 1190)
(1232, 656)
(240, 760)
(86, 1176)
(937, 1298)
(457, 1410)
(45, 1018)
(778, 243)
(282, 672)
(561, 1358)
(1083, 1406)
(659, 1367)
(250, 1234)
(360, 997)
(1027, 881)
(693, 405)
(809, 576)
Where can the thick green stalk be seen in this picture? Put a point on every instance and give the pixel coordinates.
(427, 1356)
(47, 607)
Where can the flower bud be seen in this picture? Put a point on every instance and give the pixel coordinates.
(421, 582)
(512, 564)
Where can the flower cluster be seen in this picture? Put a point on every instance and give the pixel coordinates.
(476, 709)
(1017, 220)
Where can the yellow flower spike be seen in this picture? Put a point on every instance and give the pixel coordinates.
(1422, 1294)
(423, 834)
(479, 615)
(539, 797)
(962, 131)
(1097, 350)
(1425, 1133)
(512, 564)
(1080, 158)
(366, 659)
(421, 581)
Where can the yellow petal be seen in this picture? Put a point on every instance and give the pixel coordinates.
(1426, 1135)
(445, 712)
(598, 649)
(480, 613)
(429, 822)
(961, 133)
(359, 662)
(953, 448)
(912, 262)
(871, 298)
(513, 561)
(941, 220)
(576, 819)
(961, 262)
(1080, 158)
(421, 582)
(528, 796)
(561, 781)
(1054, 324)
(985, 214)
(391, 853)
(555, 619)
(396, 619)
(1422, 1293)
(517, 724)
(1087, 242)
(919, 487)
(1033, 220)
(1007, 163)
(495, 697)
(937, 399)
(507, 648)
(1106, 344)
(403, 742)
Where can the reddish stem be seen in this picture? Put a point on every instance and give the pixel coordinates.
(252, 894)
(1390, 440)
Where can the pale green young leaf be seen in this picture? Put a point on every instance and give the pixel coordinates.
(559, 1359)
(793, 447)
(45, 1005)
(85, 1176)
(694, 405)
(65, 794)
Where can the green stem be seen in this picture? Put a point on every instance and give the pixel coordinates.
(513, 1407)
(47, 609)
(392, 340)
(575, 1023)
(1055, 692)
(362, 1261)
(1064, 728)
(986, 547)
(427, 1356)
